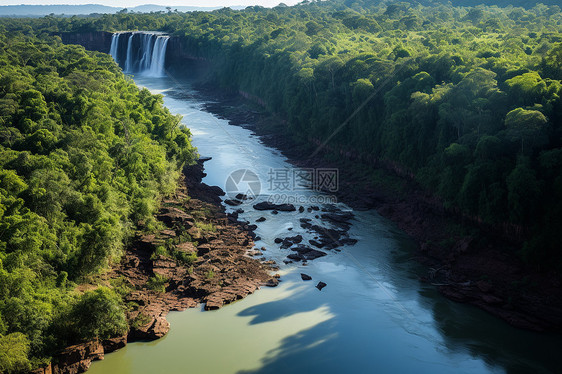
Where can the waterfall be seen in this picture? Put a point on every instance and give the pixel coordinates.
(158, 57)
(147, 43)
(115, 47)
(129, 59)
(140, 52)
(145, 52)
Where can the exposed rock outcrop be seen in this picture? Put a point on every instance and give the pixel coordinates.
(77, 358)
(201, 256)
(265, 205)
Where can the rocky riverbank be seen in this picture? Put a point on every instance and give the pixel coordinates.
(467, 262)
(201, 255)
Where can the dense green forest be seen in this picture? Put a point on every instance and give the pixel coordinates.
(466, 100)
(84, 158)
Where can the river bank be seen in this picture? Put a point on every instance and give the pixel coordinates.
(200, 256)
(467, 263)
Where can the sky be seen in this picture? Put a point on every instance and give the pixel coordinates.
(132, 3)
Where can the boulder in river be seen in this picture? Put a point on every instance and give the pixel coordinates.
(343, 217)
(291, 240)
(316, 243)
(306, 253)
(113, 344)
(232, 217)
(321, 285)
(265, 205)
(305, 277)
(313, 254)
(232, 202)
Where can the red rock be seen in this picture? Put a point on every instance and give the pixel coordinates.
(160, 327)
(78, 358)
(203, 249)
(194, 233)
(187, 247)
(272, 282)
(156, 328)
(113, 344)
(44, 370)
(168, 233)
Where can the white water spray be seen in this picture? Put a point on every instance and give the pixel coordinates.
(158, 57)
(146, 52)
(113, 51)
(129, 59)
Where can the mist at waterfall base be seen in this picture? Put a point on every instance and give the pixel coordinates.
(140, 52)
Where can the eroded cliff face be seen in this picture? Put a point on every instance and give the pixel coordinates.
(93, 40)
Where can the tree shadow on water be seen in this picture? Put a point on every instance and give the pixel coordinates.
(466, 328)
(271, 311)
(308, 351)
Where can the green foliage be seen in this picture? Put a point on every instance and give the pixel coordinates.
(526, 126)
(209, 227)
(121, 286)
(84, 156)
(157, 283)
(467, 100)
(98, 313)
(140, 320)
(523, 192)
(553, 61)
(453, 96)
(14, 350)
(185, 258)
(159, 251)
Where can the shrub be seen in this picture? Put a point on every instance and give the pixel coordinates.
(14, 349)
(157, 283)
(209, 227)
(159, 251)
(99, 314)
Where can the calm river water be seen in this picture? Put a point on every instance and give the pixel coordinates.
(374, 316)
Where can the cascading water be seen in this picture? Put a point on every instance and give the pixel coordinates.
(129, 59)
(145, 52)
(114, 46)
(146, 47)
(158, 57)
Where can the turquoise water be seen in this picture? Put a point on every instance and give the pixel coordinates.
(374, 316)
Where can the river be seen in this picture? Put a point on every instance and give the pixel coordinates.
(374, 316)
